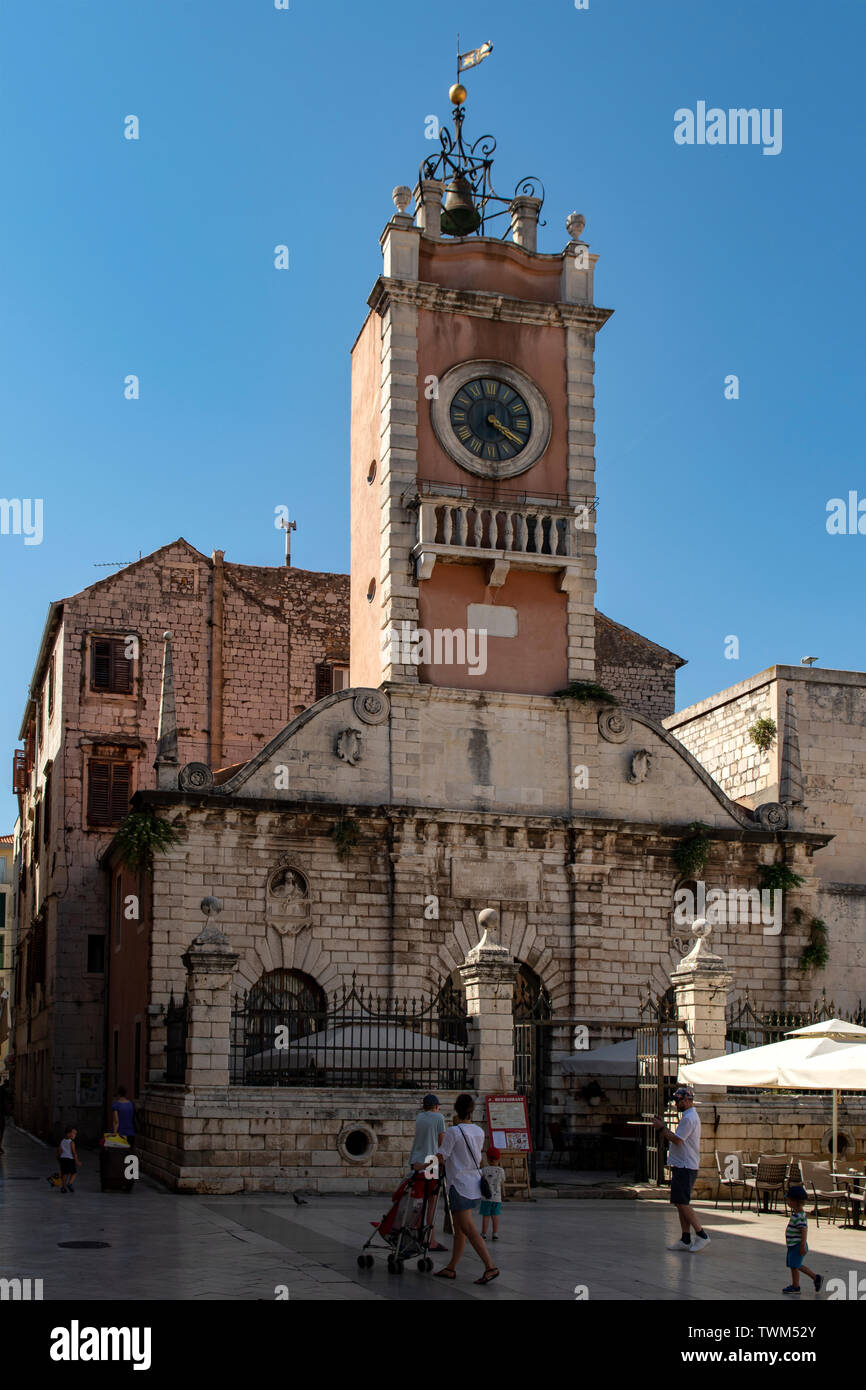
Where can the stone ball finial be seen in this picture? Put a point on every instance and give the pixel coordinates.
(401, 197)
(166, 636)
(209, 905)
(701, 928)
(488, 919)
(574, 225)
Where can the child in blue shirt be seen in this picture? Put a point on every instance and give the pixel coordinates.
(795, 1239)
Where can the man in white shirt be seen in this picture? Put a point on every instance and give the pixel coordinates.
(684, 1160)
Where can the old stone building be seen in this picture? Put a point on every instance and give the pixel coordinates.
(815, 766)
(475, 761)
(89, 732)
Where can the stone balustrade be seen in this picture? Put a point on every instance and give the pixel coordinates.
(529, 535)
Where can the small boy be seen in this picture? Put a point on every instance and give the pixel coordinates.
(68, 1156)
(492, 1206)
(795, 1238)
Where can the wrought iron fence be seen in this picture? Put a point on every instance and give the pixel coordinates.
(747, 1028)
(356, 1040)
(176, 1028)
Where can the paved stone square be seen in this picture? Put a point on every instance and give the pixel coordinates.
(165, 1246)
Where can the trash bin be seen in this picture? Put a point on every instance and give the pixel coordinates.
(112, 1160)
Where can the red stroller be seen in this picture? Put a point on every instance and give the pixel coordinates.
(406, 1232)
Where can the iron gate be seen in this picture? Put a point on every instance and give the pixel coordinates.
(532, 1012)
(661, 1043)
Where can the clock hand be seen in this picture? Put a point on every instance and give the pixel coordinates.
(503, 429)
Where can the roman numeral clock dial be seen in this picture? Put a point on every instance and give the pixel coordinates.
(491, 418)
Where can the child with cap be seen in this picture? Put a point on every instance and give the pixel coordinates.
(492, 1206)
(795, 1239)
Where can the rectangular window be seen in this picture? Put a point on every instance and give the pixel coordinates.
(109, 785)
(118, 909)
(37, 831)
(110, 668)
(46, 811)
(39, 729)
(136, 1082)
(96, 955)
(330, 678)
(51, 687)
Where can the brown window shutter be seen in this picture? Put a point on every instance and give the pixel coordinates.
(51, 687)
(37, 832)
(323, 680)
(98, 790)
(121, 667)
(100, 664)
(121, 783)
(110, 669)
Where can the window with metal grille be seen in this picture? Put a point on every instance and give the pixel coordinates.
(109, 785)
(110, 668)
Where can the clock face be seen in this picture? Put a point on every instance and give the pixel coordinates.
(490, 419)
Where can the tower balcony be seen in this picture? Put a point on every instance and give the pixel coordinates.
(531, 533)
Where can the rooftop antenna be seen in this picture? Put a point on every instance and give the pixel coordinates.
(113, 564)
(288, 527)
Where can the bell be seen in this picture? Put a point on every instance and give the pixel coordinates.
(459, 215)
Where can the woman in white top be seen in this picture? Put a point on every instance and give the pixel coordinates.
(460, 1148)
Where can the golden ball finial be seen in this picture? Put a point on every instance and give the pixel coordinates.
(457, 94)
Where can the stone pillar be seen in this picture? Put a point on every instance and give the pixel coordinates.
(701, 981)
(524, 222)
(488, 974)
(210, 965)
(428, 206)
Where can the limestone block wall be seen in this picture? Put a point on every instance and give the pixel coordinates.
(716, 733)
(830, 712)
(639, 673)
(272, 1139)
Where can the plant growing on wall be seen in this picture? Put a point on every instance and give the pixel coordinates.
(345, 833)
(762, 733)
(777, 878)
(141, 836)
(588, 692)
(815, 954)
(692, 853)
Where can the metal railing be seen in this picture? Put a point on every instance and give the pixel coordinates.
(358, 1040)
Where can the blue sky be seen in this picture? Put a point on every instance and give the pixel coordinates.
(260, 127)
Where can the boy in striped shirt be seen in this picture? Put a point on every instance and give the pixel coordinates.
(795, 1239)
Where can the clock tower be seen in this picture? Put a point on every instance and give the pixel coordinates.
(472, 457)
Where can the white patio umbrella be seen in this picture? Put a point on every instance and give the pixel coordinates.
(828, 1056)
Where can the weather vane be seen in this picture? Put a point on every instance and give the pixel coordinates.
(470, 199)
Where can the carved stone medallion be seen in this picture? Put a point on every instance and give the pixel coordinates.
(772, 816)
(641, 762)
(614, 725)
(195, 777)
(372, 706)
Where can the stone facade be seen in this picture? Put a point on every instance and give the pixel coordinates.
(226, 621)
(583, 876)
(639, 673)
(816, 767)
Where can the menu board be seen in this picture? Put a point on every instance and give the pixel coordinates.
(508, 1123)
